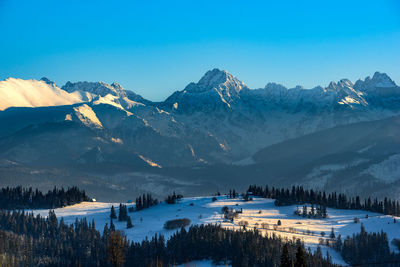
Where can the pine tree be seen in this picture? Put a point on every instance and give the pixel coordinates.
(113, 215)
(116, 249)
(112, 226)
(285, 258)
(123, 213)
(312, 210)
(300, 258)
(304, 211)
(332, 235)
(324, 214)
(129, 223)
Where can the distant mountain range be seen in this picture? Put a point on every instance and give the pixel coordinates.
(311, 136)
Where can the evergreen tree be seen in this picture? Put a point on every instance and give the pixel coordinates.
(112, 226)
(332, 235)
(113, 215)
(285, 258)
(129, 223)
(116, 249)
(300, 258)
(122, 213)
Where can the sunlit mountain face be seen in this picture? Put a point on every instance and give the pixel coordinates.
(216, 129)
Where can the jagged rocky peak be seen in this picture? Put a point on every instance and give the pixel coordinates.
(217, 79)
(48, 81)
(117, 86)
(97, 88)
(341, 85)
(382, 80)
(345, 83)
(378, 80)
(274, 87)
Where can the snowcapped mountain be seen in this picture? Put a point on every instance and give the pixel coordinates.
(218, 120)
(243, 119)
(378, 80)
(217, 90)
(33, 93)
(95, 88)
(218, 80)
(101, 89)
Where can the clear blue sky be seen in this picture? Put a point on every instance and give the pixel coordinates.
(157, 47)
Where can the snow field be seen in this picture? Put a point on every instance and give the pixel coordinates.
(259, 213)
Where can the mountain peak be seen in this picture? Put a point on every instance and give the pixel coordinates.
(271, 86)
(98, 88)
(378, 80)
(48, 81)
(382, 80)
(345, 83)
(117, 86)
(217, 79)
(214, 77)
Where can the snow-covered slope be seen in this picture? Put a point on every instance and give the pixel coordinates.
(95, 88)
(103, 89)
(33, 93)
(260, 213)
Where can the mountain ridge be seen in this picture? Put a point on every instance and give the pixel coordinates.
(216, 127)
(227, 88)
(221, 108)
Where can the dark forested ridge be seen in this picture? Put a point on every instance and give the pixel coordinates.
(366, 249)
(27, 198)
(299, 195)
(28, 240)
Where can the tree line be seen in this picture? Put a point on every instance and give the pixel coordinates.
(298, 195)
(145, 201)
(27, 198)
(173, 199)
(28, 240)
(222, 246)
(366, 249)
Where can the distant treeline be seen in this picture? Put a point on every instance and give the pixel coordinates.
(298, 196)
(28, 240)
(173, 199)
(145, 201)
(27, 198)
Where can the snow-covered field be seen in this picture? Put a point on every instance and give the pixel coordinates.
(202, 210)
